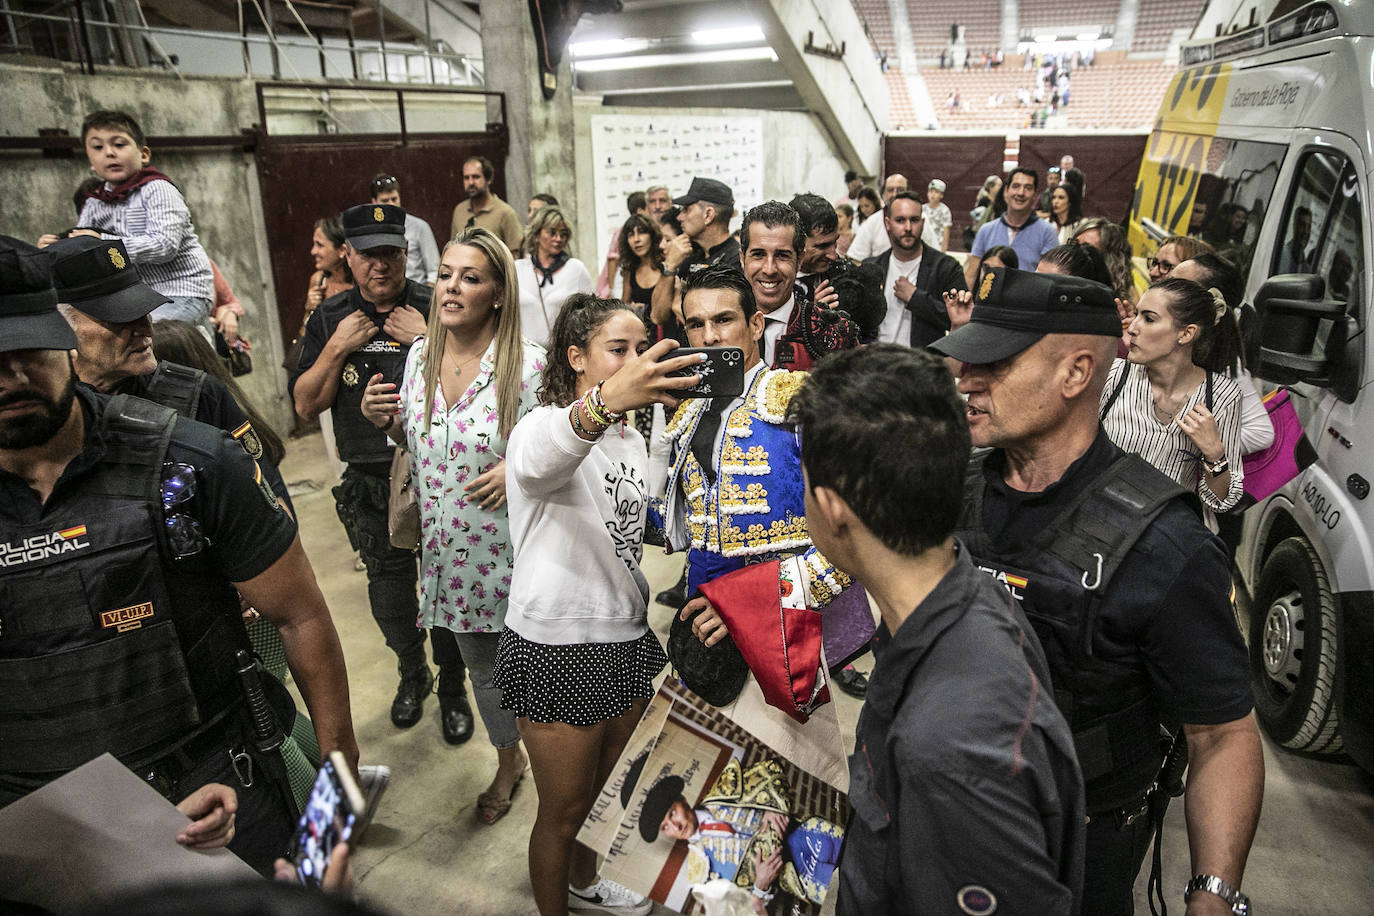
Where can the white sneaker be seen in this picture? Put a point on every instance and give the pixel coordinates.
(609, 897)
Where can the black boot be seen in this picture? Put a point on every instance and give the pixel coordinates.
(455, 716)
(852, 682)
(674, 596)
(408, 706)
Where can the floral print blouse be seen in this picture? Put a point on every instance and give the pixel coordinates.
(465, 550)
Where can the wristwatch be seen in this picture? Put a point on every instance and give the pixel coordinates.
(1240, 904)
(1221, 467)
(668, 273)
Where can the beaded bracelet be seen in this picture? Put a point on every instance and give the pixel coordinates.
(597, 409)
(578, 426)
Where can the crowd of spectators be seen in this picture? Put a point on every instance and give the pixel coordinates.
(536, 414)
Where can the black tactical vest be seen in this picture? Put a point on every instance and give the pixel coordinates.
(359, 441)
(176, 386)
(100, 648)
(1061, 577)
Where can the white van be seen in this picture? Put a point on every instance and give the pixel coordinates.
(1264, 148)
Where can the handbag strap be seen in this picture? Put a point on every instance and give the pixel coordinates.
(539, 288)
(1116, 391)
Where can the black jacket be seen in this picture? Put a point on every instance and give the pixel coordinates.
(937, 274)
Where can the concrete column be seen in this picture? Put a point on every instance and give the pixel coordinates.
(541, 132)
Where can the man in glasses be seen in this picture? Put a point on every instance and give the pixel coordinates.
(422, 254)
(125, 532)
(360, 333)
(481, 207)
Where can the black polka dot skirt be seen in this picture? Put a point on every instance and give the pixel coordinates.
(580, 684)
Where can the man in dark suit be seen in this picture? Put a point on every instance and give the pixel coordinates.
(916, 277)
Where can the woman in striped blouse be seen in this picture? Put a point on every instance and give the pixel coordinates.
(1174, 399)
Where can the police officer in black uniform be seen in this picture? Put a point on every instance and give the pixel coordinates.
(103, 297)
(364, 332)
(1127, 590)
(124, 533)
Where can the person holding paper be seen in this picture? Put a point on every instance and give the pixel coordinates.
(124, 532)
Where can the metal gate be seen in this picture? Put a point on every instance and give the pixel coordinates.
(305, 176)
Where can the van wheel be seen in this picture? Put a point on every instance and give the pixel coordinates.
(1293, 645)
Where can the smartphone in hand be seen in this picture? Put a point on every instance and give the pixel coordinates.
(722, 374)
(335, 805)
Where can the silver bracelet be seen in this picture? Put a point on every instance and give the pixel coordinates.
(1240, 904)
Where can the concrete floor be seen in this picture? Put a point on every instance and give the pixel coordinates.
(427, 853)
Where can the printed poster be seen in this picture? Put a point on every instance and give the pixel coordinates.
(633, 152)
(694, 797)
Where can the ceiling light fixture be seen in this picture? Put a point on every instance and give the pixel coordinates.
(746, 34)
(607, 47)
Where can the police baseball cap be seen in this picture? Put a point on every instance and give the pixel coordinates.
(29, 319)
(97, 276)
(937, 185)
(374, 226)
(707, 190)
(1012, 309)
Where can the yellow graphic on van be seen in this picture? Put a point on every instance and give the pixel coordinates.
(1194, 99)
(1176, 155)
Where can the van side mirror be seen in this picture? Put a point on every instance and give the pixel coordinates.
(1291, 309)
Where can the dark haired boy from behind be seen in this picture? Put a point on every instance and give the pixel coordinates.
(138, 205)
(966, 791)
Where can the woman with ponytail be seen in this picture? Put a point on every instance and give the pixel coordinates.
(1174, 400)
(466, 383)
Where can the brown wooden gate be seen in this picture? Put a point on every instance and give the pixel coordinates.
(963, 163)
(1110, 164)
(307, 177)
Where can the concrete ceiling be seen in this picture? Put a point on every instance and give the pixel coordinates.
(734, 69)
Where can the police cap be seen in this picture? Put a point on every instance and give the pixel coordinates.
(97, 276)
(374, 226)
(29, 319)
(1012, 309)
(708, 190)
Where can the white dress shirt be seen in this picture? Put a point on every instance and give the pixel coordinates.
(774, 324)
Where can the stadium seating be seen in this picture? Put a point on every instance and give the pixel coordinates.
(1049, 14)
(1124, 95)
(1159, 18)
(931, 19)
(874, 14)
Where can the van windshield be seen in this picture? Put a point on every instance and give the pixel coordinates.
(1211, 188)
(1233, 193)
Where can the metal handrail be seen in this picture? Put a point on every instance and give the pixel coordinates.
(264, 87)
(469, 67)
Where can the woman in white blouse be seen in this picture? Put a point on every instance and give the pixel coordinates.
(1174, 399)
(466, 384)
(547, 274)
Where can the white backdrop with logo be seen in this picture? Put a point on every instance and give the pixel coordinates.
(632, 152)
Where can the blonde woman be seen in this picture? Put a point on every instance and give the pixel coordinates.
(548, 274)
(466, 383)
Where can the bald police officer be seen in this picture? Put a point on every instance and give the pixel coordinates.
(1126, 589)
